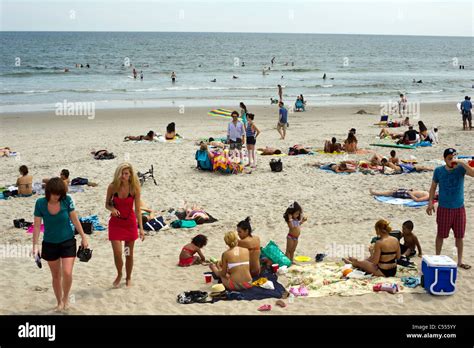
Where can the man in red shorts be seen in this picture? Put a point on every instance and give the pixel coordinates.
(451, 213)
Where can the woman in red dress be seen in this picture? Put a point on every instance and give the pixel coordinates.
(122, 194)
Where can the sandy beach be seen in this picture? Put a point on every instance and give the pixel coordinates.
(339, 207)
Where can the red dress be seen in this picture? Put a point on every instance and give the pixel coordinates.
(124, 227)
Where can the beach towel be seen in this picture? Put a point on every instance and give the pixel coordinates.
(257, 292)
(32, 228)
(162, 139)
(422, 144)
(401, 201)
(330, 153)
(93, 219)
(325, 168)
(324, 279)
(221, 113)
(71, 189)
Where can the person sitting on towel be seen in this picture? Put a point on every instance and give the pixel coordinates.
(170, 131)
(24, 182)
(149, 136)
(332, 146)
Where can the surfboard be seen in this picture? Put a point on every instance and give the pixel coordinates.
(221, 113)
(395, 145)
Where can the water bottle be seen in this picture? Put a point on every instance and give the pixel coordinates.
(291, 298)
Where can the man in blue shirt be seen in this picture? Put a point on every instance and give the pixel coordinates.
(282, 120)
(466, 107)
(451, 213)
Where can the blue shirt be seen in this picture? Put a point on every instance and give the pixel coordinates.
(283, 115)
(466, 105)
(57, 228)
(451, 186)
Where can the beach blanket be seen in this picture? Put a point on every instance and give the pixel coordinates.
(257, 292)
(219, 139)
(94, 219)
(325, 168)
(324, 279)
(330, 153)
(401, 201)
(221, 113)
(423, 144)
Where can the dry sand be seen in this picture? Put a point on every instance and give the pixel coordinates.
(339, 208)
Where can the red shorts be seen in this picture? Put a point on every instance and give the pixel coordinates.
(451, 218)
(186, 262)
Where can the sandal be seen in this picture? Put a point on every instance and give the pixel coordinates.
(281, 303)
(265, 308)
(303, 291)
(295, 292)
(464, 266)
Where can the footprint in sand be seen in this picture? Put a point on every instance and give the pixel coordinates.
(40, 289)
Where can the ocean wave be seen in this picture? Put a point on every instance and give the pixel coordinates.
(425, 92)
(63, 90)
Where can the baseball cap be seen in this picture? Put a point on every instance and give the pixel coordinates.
(449, 151)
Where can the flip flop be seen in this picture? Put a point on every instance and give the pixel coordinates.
(303, 291)
(464, 266)
(265, 308)
(294, 291)
(281, 303)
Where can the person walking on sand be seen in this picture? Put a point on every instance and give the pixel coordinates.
(451, 213)
(280, 93)
(466, 107)
(56, 210)
(123, 202)
(282, 120)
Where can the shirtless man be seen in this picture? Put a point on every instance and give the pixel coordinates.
(25, 182)
(405, 167)
(332, 146)
(64, 175)
(268, 151)
(416, 195)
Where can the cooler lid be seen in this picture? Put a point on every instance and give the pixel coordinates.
(439, 260)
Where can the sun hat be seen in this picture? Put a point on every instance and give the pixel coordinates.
(217, 288)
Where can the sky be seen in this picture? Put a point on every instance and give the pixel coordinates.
(379, 17)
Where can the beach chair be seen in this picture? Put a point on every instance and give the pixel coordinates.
(383, 121)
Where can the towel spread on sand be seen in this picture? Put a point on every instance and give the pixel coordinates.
(71, 189)
(313, 276)
(401, 201)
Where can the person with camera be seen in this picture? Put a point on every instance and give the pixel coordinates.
(123, 201)
(56, 210)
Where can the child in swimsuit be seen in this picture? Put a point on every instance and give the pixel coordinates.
(187, 258)
(294, 219)
(410, 241)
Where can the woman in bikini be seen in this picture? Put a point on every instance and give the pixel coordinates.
(234, 268)
(416, 195)
(187, 258)
(170, 131)
(294, 219)
(386, 251)
(350, 144)
(24, 182)
(149, 136)
(423, 130)
(123, 202)
(196, 213)
(250, 242)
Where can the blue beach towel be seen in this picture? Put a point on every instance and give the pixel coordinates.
(326, 169)
(401, 201)
(94, 219)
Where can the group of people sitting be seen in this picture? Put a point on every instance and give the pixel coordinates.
(349, 145)
(151, 135)
(412, 136)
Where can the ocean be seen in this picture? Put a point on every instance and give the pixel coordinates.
(360, 69)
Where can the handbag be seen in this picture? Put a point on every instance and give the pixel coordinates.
(276, 165)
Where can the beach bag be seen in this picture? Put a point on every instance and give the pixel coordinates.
(276, 165)
(184, 224)
(273, 252)
(21, 223)
(86, 227)
(192, 297)
(155, 224)
(79, 181)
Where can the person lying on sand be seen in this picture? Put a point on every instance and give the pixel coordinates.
(416, 195)
(268, 151)
(102, 154)
(384, 256)
(149, 136)
(385, 133)
(146, 212)
(332, 146)
(187, 258)
(342, 167)
(404, 167)
(5, 151)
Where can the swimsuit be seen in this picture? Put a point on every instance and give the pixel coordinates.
(401, 193)
(235, 264)
(390, 272)
(239, 286)
(187, 261)
(407, 168)
(294, 223)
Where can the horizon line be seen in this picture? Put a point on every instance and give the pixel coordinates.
(219, 32)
